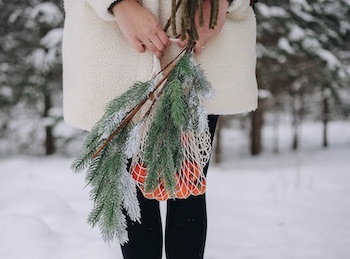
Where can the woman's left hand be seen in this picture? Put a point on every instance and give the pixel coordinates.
(204, 33)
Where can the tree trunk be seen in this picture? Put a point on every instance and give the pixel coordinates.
(276, 122)
(295, 123)
(50, 140)
(255, 134)
(218, 138)
(325, 119)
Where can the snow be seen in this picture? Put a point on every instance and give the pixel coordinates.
(291, 205)
(283, 43)
(297, 10)
(271, 11)
(331, 60)
(264, 94)
(302, 3)
(45, 58)
(53, 38)
(296, 33)
(47, 13)
(344, 27)
(314, 45)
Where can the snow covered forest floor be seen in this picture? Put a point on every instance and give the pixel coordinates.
(294, 205)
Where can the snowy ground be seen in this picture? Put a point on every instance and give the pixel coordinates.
(289, 206)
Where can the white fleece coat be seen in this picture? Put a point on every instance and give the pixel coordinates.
(99, 64)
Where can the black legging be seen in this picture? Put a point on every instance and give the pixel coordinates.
(185, 231)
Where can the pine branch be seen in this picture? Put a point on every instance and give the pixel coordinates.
(95, 167)
(95, 214)
(112, 186)
(169, 119)
(129, 117)
(86, 155)
(201, 84)
(129, 190)
(168, 166)
(177, 107)
(178, 104)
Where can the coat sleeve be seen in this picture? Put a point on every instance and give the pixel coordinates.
(101, 8)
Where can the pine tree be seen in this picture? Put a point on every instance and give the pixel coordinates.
(30, 72)
(302, 54)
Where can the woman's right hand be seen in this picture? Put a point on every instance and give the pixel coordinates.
(140, 27)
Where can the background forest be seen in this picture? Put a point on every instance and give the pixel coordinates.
(303, 69)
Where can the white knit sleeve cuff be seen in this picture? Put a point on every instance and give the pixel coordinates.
(238, 9)
(101, 8)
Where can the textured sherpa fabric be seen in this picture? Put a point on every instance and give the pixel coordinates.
(99, 64)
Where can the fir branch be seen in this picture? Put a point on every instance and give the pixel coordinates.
(183, 69)
(200, 82)
(85, 156)
(169, 119)
(98, 184)
(193, 104)
(113, 222)
(178, 104)
(168, 166)
(108, 199)
(95, 167)
(129, 190)
(202, 118)
(120, 107)
(152, 154)
(132, 113)
(134, 95)
(95, 214)
(174, 137)
(110, 123)
(116, 111)
(110, 156)
(153, 145)
(112, 140)
(133, 139)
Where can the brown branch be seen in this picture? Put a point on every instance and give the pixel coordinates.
(170, 20)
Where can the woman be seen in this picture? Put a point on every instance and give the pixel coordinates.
(110, 44)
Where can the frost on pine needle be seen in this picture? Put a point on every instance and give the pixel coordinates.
(202, 118)
(133, 140)
(200, 82)
(130, 203)
(111, 123)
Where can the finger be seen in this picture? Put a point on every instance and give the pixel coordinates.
(164, 38)
(157, 43)
(199, 47)
(139, 46)
(183, 43)
(150, 46)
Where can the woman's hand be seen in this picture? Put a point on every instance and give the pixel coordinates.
(204, 33)
(140, 27)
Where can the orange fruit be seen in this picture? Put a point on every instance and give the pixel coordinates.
(190, 171)
(182, 188)
(159, 193)
(139, 173)
(148, 195)
(199, 188)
